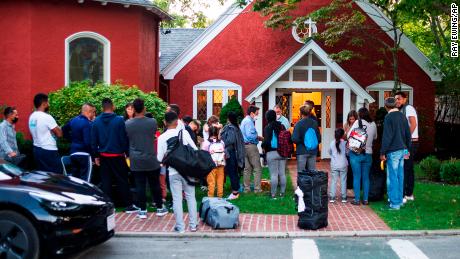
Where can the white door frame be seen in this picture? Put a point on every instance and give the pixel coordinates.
(327, 131)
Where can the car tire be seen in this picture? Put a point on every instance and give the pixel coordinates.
(18, 236)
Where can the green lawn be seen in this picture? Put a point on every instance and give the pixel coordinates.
(436, 206)
(262, 202)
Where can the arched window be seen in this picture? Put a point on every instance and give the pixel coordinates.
(87, 57)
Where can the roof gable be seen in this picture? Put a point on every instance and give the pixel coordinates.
(227, 17)
(311, 45)
(149, 5)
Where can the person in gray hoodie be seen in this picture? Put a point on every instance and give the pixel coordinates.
(306, 159)
(234, 151)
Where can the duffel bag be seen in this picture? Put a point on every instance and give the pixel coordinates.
(219, 213)
(312, 220)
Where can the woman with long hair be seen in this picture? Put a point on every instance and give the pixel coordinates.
(129, 111)
(276, 163)
(361, 161)
(234, 151)
(351, 118)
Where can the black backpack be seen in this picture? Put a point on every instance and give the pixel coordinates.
(188, 162)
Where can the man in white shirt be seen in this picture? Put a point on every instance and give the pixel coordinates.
(175, 108)
(411, 115)
(177, 183)
(44, 130)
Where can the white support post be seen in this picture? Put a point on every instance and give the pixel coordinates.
(259, 104)
(346, 103)
(271, 97)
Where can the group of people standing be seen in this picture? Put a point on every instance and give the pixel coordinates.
(121, 145)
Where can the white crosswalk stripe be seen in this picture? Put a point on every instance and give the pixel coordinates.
(405, 249)
(304, 249)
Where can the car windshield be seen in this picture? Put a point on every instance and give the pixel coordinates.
(9, 169)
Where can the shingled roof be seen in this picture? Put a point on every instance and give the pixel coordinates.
(172, 44)
(148, 4)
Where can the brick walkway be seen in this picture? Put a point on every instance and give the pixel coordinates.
(342, 217)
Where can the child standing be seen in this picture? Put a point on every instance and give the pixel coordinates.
(339, 165)
(216, 147)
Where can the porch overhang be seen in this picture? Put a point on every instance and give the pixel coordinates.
(311, 45)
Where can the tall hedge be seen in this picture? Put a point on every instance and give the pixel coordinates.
(232, 105)
(66, 102)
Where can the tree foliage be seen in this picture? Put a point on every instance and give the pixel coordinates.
(66, 102)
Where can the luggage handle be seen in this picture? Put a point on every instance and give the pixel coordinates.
(229, 209)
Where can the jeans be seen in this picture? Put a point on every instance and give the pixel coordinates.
(47, 160)
(409, 180)
(277, 168)
(178, 184)
(395, 172)
(116, 167)
(81, 166)
(153, 179)
(361, 166)
(252, 162)
(306, 161)
(216, 177)
(342, 173)
(231, 169)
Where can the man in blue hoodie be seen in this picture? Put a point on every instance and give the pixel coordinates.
(306, 159)
(109, 143)
(78, 132)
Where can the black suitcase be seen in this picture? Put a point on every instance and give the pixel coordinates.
(314, 187)
(377, 183)
(312, 220)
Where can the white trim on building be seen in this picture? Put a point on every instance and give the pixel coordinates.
(202, 41)
(383, 86)
(93, 35)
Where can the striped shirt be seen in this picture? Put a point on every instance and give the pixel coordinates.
(8, 141)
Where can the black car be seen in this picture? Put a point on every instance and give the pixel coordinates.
(44, 214)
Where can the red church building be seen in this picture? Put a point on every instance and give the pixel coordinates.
(238, 56)
(48, 43)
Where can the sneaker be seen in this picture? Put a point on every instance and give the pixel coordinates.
(404, 200)
(142, 214)
(233, 196)
(193, 229)
(204, 188)
(331, 200)
(281, 195)
(365, 203)
(355, 203)
(179, 231)
(344, 200)
(162, 211)
(273, 197)
(410, 198)
(393, 208)
(131, 209)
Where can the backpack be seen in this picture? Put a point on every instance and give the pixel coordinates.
(274, 142)
(285, 146)
(358, 138)
(188, 162)
(217, 151)
(310, 140)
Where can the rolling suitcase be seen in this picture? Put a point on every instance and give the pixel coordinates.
(314, 185)
(219, 213)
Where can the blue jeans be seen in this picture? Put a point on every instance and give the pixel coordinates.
(395, 182)
(361, 166)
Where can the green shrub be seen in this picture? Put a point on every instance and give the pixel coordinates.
(431, 166)
(232, 105)
(66, 102)
(450, 171)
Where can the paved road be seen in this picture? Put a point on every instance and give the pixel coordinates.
(305, 248)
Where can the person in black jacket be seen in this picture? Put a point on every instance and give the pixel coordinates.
(109, 143)
(306, 159)
(396, 142)
(276, 163)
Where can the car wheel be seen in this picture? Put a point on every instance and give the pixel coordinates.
(18, 237)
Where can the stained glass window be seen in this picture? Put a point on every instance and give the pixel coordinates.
(202, 109)
(217, 97)
(86, 57)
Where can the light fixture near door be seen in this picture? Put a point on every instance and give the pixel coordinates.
(304, 31)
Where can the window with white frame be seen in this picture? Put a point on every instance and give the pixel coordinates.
(382, 90)
(209, 97)
(310, 68)
(87, 57)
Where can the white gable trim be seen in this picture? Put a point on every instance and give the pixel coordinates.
(388, 86)
(313, 46)
(406, 44)
(170, 71)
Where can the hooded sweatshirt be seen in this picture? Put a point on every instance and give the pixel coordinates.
(108, 135)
